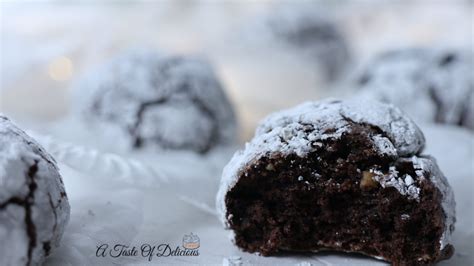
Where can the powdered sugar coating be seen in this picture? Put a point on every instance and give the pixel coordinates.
(430, 85)
(404, 184)
(424, 166)
(312, 34)
(302, 33)
(284, 133)
(160, 101)
(34, 208)
(331, 118)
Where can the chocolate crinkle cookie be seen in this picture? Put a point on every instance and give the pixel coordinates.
(431, 85)
(311, 34)
(343, 176)
(34, 208)
(169, 102)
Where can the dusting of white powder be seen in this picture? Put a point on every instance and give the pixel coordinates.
(49, 208)
(284, 133)
(411, 78)
(232, 261)
(303, 33)
(404, 184)
(427, 164)
(157, 97)
(405, 216)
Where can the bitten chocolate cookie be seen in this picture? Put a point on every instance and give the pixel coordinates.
(313, 35)
(430, 85)
(169, 102)
(34, 208)
(339, 175)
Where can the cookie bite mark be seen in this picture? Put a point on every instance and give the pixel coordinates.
(342, 176)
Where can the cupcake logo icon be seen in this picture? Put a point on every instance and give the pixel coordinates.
(191, 241)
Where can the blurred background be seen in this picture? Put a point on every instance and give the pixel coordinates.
(47, 46)
(266, 59)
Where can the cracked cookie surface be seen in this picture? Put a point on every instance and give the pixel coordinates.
(313, 35)
(169, 102)
(430, 85)
(34, 208)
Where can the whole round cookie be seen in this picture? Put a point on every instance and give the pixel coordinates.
(313, 35)
(170, 102)
(34, 209)
(308, 35)
(430, 85)
(339, 175)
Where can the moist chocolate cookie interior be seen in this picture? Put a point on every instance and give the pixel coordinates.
(328, 201)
